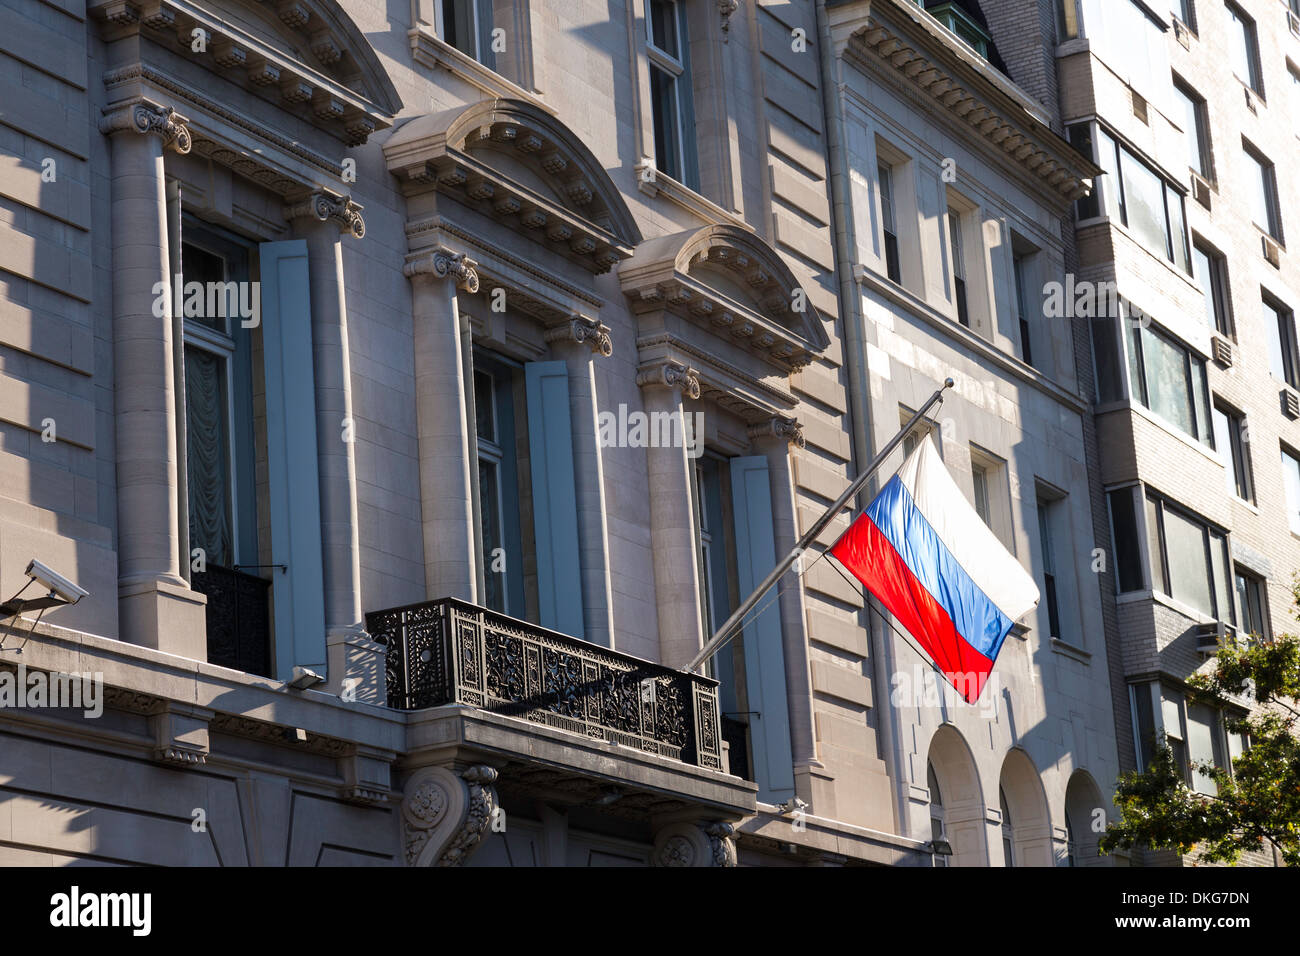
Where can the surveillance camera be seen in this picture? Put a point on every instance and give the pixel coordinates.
(304, 677)
(55, 583)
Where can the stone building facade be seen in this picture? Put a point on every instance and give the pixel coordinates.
(414, 388)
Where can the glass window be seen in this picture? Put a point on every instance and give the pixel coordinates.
(1144, 726)
(1243, 48)
(1204, 745)
(1252, 599)
(1008, 830)
(980, 480)
(670, 93)
(1211, 271)
(1171, 715)
(1045, 514)
(1124, 533)
(1184, 11)
(1020, 263)
(937, 829)
(1279, 329)
(1189, 559)
(1230, 436)
(1171, 381)
(1291, 481)
(1262, 186)
(1195, 128)
(1144, 203)
(887, 222)
(958, 265)
(1137, 196)
(467, 25)
(498, 485)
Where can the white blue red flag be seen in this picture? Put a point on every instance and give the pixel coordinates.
(924, 552)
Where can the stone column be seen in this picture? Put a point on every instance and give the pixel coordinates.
(156, 608)
(446, 491)
(673, 536)
(578, 342)
(320, 220)
(773, 439)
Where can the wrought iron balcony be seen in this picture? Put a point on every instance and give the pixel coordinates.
(451, 652)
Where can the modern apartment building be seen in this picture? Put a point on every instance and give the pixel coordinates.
(1192, 111)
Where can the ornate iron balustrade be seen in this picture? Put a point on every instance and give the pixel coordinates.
(448, 651)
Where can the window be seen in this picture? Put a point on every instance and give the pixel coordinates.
(1088, 207)
(925, 428)
(937, 831)
(1067, 20)
(1243, 48)
(1210, 269)
(1170, 379)
(670, 92)
(498, 485)
(1022, 262)
(1204, 745)
(1252, 599)
(1262, 183)
(1294, 72)
(886, 174)
(1124, 534)
(1196, 128)
(1008, 830)
(1189, 559)
(1279, 328)
(1230, 439)
(718, 593)
(1291, 481)
(1046, 511)
(467, 25)
(1151, 208)
(220, 484)
(1185, 11)
(992, 494)
(958, 255)
(1144, 726)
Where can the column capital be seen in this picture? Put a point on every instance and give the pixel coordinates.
(669, 374)
(140, 115)
(781, 427)
(442, 264)
(584, 331)
(327, 207)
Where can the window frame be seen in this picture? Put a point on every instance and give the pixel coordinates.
(1268, 181)
(889, 220)
(1216, 287)
(677, 70)
(1244, 576)
(1201, 130)
(1157, 537)
(1198, 399)
(1287, 340)
(1250, 32)
(1236, 456)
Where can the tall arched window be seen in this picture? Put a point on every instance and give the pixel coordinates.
(936, 812)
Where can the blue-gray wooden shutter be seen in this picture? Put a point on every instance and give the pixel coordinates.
(298, 593)
(769, 729)
(555, 500)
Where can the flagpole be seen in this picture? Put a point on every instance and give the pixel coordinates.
(720, 636)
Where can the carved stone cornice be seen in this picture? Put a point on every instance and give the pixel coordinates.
(144, 116)
(695, 844)
(442, 264)
(327, 207)
(445, 814)
(583, 330)
(669, 375)
(780, 427)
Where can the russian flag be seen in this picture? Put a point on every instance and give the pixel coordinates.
(924, 552)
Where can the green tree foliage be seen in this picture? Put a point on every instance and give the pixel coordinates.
(1259, 802)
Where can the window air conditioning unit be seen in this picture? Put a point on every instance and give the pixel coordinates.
(1252, 100)
(1182, 34)
(1201, 190)
(1290, 403)
(1293, 22)
(1211, 635)
(1272, 251)
(1223, 349)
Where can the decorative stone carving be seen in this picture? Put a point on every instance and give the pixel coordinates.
(145, 116)
(446, 813)
(584, 330)
(779, 427)
(695, 844)
(670, 375)
(442, 264)
(726, 8)
(330, 208)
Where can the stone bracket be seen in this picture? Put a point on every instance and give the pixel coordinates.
(446, 812)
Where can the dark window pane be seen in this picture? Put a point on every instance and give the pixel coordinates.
(1128, 554)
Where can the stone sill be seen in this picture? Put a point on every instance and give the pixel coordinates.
(429, 50)
(652, 182)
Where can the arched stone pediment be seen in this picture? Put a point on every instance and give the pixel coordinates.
(516, 163)
(729, 281)
(305, 56)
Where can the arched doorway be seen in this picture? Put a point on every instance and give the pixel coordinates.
(1083, 800)
(959, 813)
(1026, 822)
